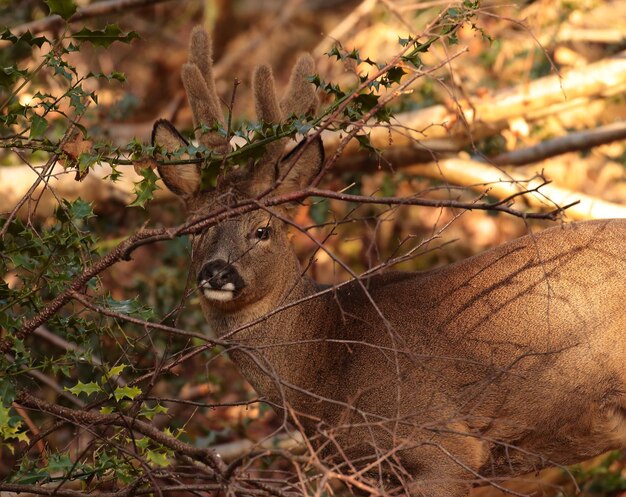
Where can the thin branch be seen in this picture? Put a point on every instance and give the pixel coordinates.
(87, 418)
(98, 9)
(499, 206)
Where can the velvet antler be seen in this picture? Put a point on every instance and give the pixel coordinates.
(197, 76)
(299, 99)
(198, 80)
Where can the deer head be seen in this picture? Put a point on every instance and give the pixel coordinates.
(247, 260)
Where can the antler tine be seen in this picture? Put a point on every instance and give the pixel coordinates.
(300, 96)
(199, 84)
(267, 109)
(266, 103)
(201, 54)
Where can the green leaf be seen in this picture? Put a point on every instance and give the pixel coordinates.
(146, 187)
(21, 259)
(85, 162)
(404, 41)
(118, 76)
(59, 66)
(106, 36)
(302, 127)
(10, 428)
(367, 101)
(26, 37)
(81, 210)
(395, 74)
(334, 52)
(10, 74)
(158, 458)
(86, 388)
(365, 143)
(60, 463)
(7, 389)
(150, 412)
(117, 370)
(131, 307)
(64, 8)
(129, 392)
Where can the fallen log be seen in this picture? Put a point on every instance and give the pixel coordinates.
(488, 179)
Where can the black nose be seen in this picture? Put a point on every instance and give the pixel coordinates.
(219, 273)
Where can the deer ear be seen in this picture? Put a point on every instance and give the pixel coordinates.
(299, 175)
(182, 179)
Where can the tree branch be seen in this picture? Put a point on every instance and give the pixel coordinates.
(86, 418)
(98, 9)
(572, 142)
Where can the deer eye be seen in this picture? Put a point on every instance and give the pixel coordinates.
(262, 233)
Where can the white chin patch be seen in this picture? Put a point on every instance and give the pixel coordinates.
(219, 295)
(224, 294)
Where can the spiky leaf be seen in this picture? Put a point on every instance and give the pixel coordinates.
(64, 8)
(104, 37)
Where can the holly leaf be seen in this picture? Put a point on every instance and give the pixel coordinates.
(157, 458)
(86, 388)
(365, 143)
(395, 74)
(129, 392)
(146, 187)
(26, 37)
(38, 127)
(79, 210)
(104, 37)
(64, 8)
(117, 370)
(150, 412)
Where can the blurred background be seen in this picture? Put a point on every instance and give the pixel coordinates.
(513, 76)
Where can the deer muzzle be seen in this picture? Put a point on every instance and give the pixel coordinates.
(220, 281)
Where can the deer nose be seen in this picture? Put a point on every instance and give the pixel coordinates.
(219, 274)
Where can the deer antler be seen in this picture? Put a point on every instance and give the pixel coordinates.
(199, 84)
(197, 76)
(299, 98)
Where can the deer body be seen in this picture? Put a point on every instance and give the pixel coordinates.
(500, 364)
(522, 345)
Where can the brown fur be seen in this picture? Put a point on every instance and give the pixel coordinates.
(501, 364)
(197, 76)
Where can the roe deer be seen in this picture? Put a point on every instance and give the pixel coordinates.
(500, 364)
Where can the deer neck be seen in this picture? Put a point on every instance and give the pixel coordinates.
(275, 337)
